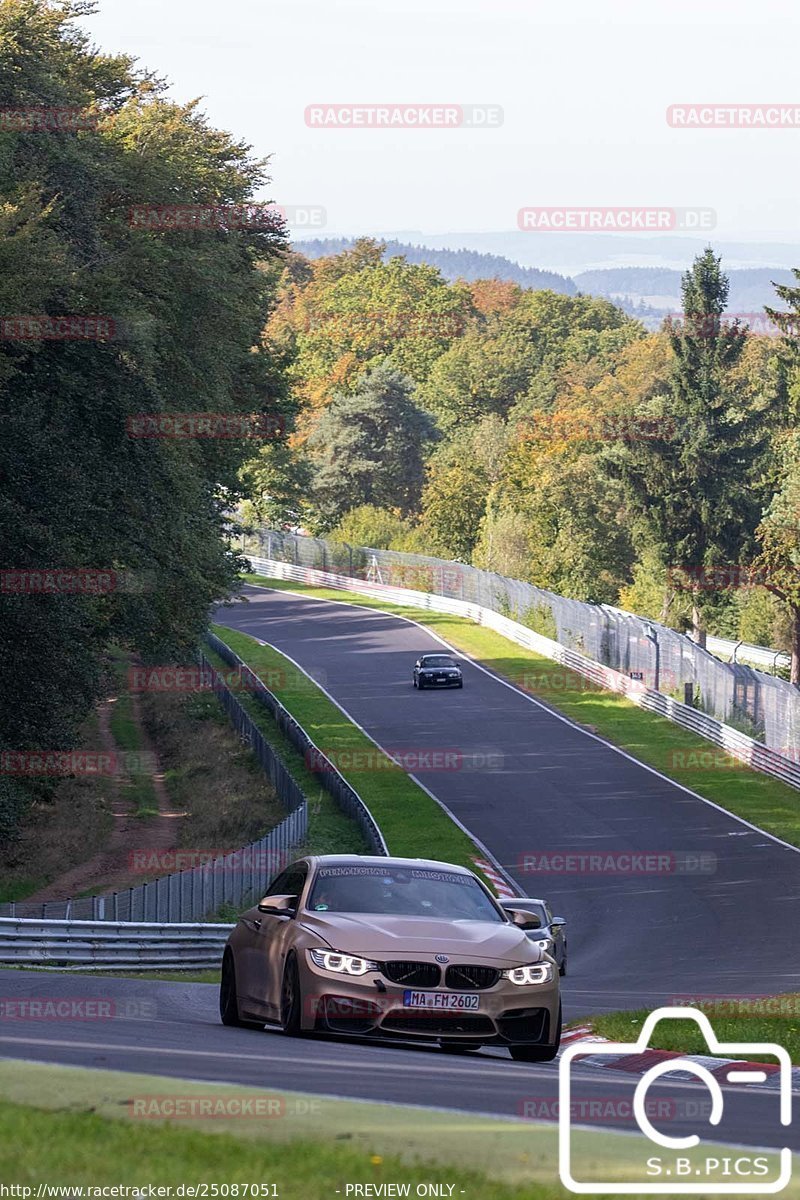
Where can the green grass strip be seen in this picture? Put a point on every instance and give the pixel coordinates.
(413, 825)
(127, 734)
(675, 752)
(72, 1126)
(733, 1019)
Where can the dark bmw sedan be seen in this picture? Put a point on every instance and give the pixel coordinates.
(437, 670)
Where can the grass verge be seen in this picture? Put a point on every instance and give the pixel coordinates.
(210, 976)
(413, 824)
(127, 733)
(212, 779)
(330, 831)
(733, 1019)
(676, 752)
(67, 1125)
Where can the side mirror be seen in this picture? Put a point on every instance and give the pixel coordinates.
(279, 906)
(524, 919)
(558, 922)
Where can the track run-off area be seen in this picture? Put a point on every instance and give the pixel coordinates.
(534, 784)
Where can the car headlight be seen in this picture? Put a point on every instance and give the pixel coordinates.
(342, 964)
(525, 976)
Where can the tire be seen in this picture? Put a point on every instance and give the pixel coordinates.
(562, 970)
(228, 1004)
(421, 685)
(538, 1053)
(291, 999)
(414, 680)
(461, 684)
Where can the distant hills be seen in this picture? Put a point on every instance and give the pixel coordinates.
(644, 292)
(660, 288)
(453, 264)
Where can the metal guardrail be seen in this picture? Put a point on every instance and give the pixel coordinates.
(145, 927)
(87, 945)
(735, 693)
(331, 779)
(759, 656)
(738, 745)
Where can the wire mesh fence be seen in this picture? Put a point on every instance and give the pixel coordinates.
(345, 796)
(201, 891)
(763, 706)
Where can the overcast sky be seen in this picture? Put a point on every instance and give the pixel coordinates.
(584, 87)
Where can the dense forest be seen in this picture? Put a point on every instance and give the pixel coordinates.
(104, 326)
(384, 399)
(452, 264)
(549, 437)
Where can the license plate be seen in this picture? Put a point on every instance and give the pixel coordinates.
(441, 679)
(448, 1001)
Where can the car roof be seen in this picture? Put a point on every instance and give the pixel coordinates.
(376, 860)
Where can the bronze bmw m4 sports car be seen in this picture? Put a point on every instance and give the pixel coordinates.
(393, 948)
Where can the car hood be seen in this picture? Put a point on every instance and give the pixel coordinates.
(385, 937)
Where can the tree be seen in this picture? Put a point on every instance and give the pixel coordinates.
(368, 448)
(483, 372)
(778, 564)
(358, 312)
(695, 486)
(368, 525)
(184, 308)
(461, 474)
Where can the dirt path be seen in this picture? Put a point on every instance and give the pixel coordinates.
(111, 870)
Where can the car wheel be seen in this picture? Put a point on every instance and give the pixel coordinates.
(291, 999)
(228, 1006)
(538, 1053)
(414, 680)
(420, 685)
(562, 970)
(460, 683)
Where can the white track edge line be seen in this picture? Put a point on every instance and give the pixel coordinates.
(540, 704)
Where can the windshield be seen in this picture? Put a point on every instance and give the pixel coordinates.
(439, 660)
(401, 891)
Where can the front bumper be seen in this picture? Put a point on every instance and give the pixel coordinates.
(431, 681)
(372, 1005)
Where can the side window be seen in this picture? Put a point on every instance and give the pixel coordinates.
(295, 880)
(289, 882)
(549, 913)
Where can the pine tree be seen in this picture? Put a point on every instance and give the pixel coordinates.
(694, 486)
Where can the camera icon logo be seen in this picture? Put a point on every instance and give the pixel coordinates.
(683, 1167)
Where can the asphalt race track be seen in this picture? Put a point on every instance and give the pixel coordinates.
(729, 928)
(635, 939)
(173, 1029)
